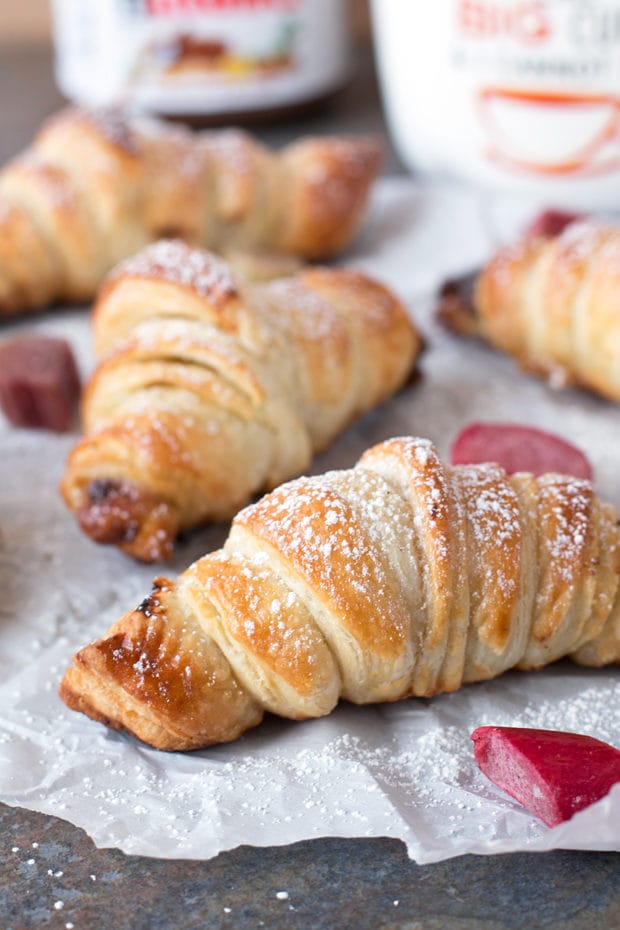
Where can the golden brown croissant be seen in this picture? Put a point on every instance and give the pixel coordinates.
(552, 302)
(95, 187)
(399, 577)
(211, 390)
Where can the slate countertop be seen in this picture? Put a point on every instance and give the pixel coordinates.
(51, 875)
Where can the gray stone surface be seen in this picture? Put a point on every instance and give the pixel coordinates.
(326, 884)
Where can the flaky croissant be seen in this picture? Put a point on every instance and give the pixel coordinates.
(96, 186)
(399, 577)
(552, 302)
(212, 390)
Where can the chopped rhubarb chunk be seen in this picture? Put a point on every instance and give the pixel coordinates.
(518, 448)
(550, 223)
(39, 382)
(552, 774)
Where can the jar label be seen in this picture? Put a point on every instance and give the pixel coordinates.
(199, 56)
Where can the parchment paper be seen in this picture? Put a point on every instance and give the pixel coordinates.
(404, 770)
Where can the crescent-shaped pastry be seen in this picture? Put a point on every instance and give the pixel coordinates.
(552, 302)
(96, 186)
(211, 390)
(399, 577)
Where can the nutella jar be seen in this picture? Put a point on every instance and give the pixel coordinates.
(200, 59)
(513, 94)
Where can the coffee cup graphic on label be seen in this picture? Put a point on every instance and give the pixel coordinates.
(551, 133)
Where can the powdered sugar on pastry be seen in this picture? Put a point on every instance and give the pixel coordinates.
(174, 261)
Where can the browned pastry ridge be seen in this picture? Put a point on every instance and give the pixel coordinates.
(211, 389)
(97, 186)
(399, 577)
(553, 303)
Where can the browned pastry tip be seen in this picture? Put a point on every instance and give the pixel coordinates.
(138, 522)
(456, 306)
(176, 688)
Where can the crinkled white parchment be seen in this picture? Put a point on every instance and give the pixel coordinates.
(404, 770)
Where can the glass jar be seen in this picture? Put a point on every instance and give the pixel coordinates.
(200, 58)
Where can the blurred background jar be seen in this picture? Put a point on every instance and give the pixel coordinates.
(512, 94)
(203, 60)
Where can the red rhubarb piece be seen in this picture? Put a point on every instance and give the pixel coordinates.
(39, 382)
(550, 223)
(518, 448)
(552, 774)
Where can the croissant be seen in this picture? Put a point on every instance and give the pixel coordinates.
(97, 186)
(212, 390)
(552, 302)
(399, 577)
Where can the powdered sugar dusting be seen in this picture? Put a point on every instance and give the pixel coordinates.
(578, 245)
(575, 244)
(113, 124)
(337, 559)
(176, 262)
(504, 261)
(356, 160)
(171, 146)
(60, 189)
(494, 526)
(580, 238)
(231, 146)
(274, 630)
(310, 316)
(567, 508)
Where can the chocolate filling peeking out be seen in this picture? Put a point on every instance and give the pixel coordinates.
(114, 511)
(455, 307)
